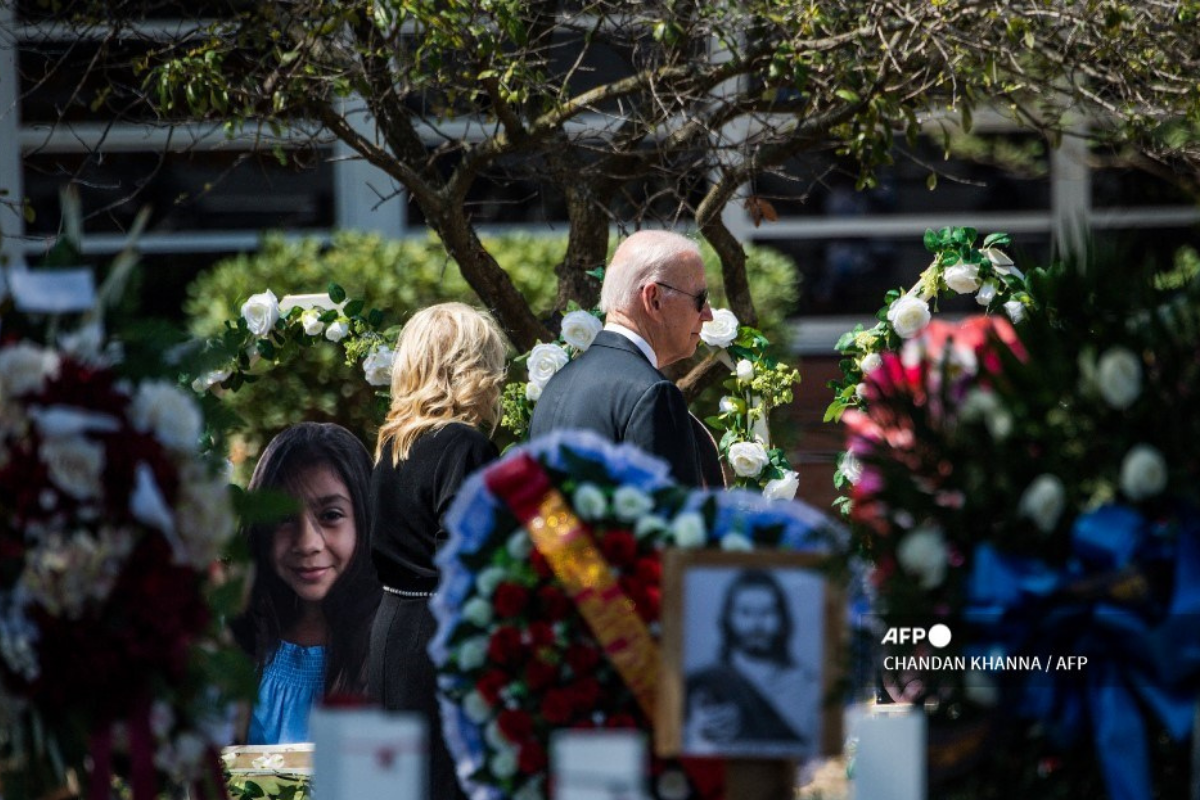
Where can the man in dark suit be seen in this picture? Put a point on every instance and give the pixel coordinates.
(655, 299)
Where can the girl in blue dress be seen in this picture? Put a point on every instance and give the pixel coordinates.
(308, 621)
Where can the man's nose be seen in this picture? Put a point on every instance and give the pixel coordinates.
(706, 314)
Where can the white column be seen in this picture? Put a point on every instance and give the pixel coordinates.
(360, 187)
(1071, 192)
(12, 221)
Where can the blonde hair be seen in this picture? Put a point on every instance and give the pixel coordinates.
(449, 367)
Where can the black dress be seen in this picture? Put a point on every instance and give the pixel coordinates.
(408, 502)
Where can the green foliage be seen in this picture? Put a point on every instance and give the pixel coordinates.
(398, 277)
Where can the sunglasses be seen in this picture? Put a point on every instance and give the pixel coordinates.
(699, 299)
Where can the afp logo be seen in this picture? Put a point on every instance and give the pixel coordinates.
(938, 635)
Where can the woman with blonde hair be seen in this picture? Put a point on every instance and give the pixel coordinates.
(447, 379)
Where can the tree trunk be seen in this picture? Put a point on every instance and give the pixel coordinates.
(587, 247)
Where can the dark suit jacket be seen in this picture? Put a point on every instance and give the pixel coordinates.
(612, 389)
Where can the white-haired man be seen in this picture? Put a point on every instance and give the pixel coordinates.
(655, 298)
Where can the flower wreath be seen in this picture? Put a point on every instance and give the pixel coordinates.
(110, 656)
(518, 649)
(756, 385)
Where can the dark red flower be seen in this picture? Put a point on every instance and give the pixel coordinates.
(532, 759)
(649, 604)
(552, 604)
(649, 570)
(539, 674)
(505, 645)
(557, 706)
(517, 725)
(586, 692)
(490, 684)
(540, 634)
(582, 658)
(540, 565)
(510, 599)
(620, 548)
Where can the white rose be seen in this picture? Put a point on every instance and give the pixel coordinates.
(261, 312)
(338, 329)
(210, 379)
(310, 319)
(909, 315)
(519, 546)
(75, 465)
(987, 293)
(504, 764)
(870, 362)
(533, 392)
(172, 416)
(1015, 310)
(544, 361)
(378, 366)
(852, 468)
(1043, 501)
(477, 708)
(579, 329)
(478, 612)
(688, 529)
(922, 553)
(24, 368)
(488, 579)
(649, 524)
(962, 278)
(630, 503)
(1143, 472)
(589, 502)
(472, 654)
(728, 405)
(782, 488)
(745, 371)
(736, 543)
(1119, 377)
(721, 330)
(748, 458)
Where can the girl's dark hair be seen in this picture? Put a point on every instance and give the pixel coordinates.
(350, 605)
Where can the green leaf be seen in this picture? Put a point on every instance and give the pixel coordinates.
(336, 293)
(353, 308)
(996, 239)
(375, 318)
(930, 183)
(848, 95)
(266, 349)
(931, 240)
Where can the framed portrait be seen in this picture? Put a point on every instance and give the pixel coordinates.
(751, 646)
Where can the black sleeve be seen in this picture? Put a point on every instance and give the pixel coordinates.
(660, 425)
(464, 453)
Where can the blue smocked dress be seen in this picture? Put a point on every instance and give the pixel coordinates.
(291, 684)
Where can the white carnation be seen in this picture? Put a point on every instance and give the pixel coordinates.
(649, 524)
(378, 366)
(478, 612)
(75, 465)
(589, 501)
(962, 278)
(338, 329)
(261, 312)
(782, 488)
(721, 330)
(504, 764)
(1043, 501)
(477, 708)
(24, 368)
(519, 546)
(909, 315)
(310, 319)
(1119, 377)
(922, 553)
(488, 579)
(870, 362)
(744, 371)
(748, 458)
(1143, 472)
(630, 503)
(544, 361)
(579, 329)
(172, 416)
(472, 654)
(688, 529)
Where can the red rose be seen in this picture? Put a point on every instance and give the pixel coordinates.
(505, 645)
(540, 565)
(552, 604)
(532, 759)
(620, 548)
(515, 724)
(582, 658)
(490, 684)
(620, 720)
(649, 570)
(540, 634)
(510, 599)
(649, 605)
(557, 706)
(539, 674)
(586, 692)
